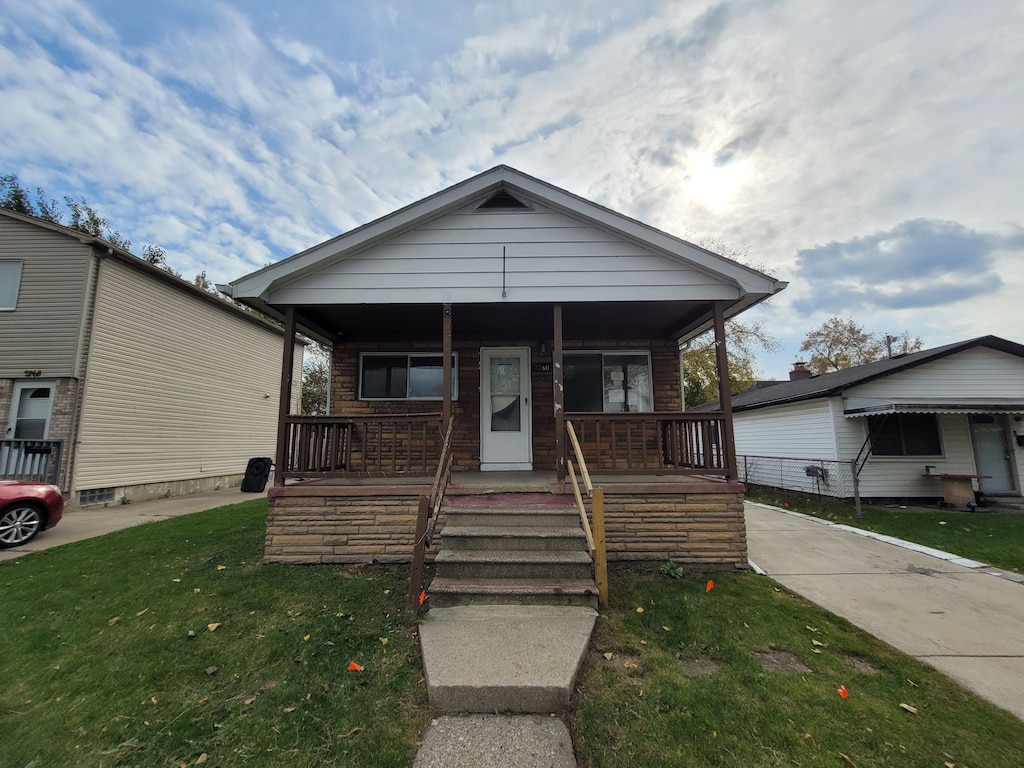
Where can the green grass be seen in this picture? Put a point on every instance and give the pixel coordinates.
(745, 716)
(109, 660)
(996, 538)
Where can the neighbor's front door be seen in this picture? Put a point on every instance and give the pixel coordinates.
(506, 440)
(993, 453)
(31, 407)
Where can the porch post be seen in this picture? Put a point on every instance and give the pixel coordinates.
(446, 374)
(556, 373)
(724, 389)
(283, 406)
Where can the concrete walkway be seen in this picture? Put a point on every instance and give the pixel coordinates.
(962, 617)
(88, 522)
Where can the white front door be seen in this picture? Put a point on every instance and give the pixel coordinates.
(993, 453)
(31, 407)
(505, 425)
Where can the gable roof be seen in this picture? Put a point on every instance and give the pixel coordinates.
(505, 188)
(106, 249)
(835, 383)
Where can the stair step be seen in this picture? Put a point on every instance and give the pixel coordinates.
(446, 592)
(513, 537)
(553, 564)
(513, 517)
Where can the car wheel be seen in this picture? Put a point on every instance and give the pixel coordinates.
(19, 524)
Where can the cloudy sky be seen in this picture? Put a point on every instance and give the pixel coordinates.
(869, 152)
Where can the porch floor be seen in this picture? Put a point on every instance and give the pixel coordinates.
(536, 481)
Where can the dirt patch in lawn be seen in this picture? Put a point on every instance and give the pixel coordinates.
(861, 666)
(776, 660)
(699, 667)
(623, 663)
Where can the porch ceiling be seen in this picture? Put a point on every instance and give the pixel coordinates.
(472, 322)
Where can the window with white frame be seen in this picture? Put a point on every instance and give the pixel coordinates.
(404, 376)
(608, 382)
(10, 282)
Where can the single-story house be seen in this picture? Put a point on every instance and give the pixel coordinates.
(119, 381)
(935, 424)
(504, 308)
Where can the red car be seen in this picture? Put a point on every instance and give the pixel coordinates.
(27, 508)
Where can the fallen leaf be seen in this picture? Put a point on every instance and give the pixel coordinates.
(201, 759)
(142, 611)
(843, 693)
(629, 665)
(816, 650)
(211, 627)
(819, 644)
(639, 609)
(383, 640)
(201, 701)
(667, 629)
(609, 655)
(222, 567)
(709, 586)
(847, 759)
(289, 709)
(330, 643)
(249, 699)
(813, 629)
(908, 708)
(423, 596)
(305, 637)
(152, 699)
(196, 591)
(176, 581)
(113, 621)
(643, 642)
(353, 667)
(948, 764)
(211, 671)
(911, 682)
(268, 685)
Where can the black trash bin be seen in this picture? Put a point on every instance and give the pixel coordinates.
(256, 474)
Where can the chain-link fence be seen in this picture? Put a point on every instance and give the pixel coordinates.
(820, 477)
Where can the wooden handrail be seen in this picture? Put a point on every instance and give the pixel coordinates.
(426, 519)
(595, 538)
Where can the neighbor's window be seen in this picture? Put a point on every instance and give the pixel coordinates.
(597, 382)
(418, 376)
(905, 434)
(10, 282)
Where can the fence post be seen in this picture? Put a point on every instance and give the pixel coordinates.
(600, 556)
(858, 513)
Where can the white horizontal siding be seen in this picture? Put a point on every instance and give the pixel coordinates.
(176, 388)
(975, 372)
(42, 332)
(547, 256)
(798, 430)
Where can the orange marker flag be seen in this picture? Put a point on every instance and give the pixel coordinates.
(842, 691)
(353, 667)
(423, 596)
(710, 586)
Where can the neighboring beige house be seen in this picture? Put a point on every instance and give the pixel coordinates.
(120, 381)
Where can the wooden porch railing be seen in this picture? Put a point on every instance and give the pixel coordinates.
(655, 443)
(37, 460)
(595, 539)
(345, 446)
(426, 520)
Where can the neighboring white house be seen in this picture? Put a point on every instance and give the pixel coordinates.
(120, 381)
(901, 423)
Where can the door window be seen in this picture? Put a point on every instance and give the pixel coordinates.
(506, 395)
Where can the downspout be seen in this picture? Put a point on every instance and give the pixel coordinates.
(85, 347)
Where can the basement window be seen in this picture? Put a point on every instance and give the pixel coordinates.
(95, 496)
(405, 376)
(607, 382)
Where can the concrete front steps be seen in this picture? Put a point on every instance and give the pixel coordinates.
(521, 549)
(512, 605)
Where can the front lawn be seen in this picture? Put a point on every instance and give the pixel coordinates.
(996, 538)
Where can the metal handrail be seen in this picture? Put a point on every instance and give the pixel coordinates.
(595, 540)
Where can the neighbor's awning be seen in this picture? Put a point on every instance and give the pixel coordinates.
(872, 406)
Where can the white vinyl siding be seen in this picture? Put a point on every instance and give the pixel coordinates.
(976, 372)
(176, 387)
(799, 430)
(548, 256)
(42, 332)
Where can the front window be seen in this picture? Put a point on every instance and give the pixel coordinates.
(398, 376)
(10, 282)
(905, 434)
(607, 382)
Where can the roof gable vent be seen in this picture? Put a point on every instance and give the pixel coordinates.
(503, 201)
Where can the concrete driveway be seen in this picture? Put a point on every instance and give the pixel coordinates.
(95, 521)
(962, 617)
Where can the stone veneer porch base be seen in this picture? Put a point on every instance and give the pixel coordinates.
(650, 522)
